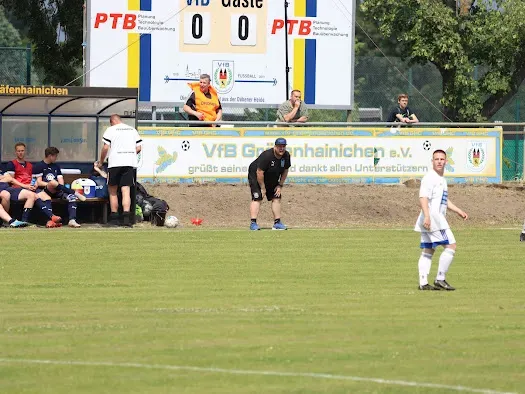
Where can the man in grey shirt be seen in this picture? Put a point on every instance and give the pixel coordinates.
(293, 110)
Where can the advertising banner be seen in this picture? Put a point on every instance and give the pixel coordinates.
(360, 155)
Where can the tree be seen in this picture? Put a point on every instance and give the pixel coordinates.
(9, 36)
(55, 30)
(367, 36)
(486, 33)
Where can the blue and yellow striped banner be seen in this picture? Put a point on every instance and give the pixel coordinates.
(305, 54)
(139, 55)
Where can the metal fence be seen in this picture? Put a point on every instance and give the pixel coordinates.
(15, 66)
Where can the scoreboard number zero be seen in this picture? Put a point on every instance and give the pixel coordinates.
(197, 29)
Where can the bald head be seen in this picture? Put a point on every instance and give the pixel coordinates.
(114, 119)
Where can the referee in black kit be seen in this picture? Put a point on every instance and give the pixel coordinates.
(266, 176)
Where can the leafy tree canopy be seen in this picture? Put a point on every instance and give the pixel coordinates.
(54, 27)
(486, 33)
(9, 36)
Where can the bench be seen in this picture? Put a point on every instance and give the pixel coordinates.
(92, 210)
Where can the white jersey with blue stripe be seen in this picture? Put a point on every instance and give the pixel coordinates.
(434, 187)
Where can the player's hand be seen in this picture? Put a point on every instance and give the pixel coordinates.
(297, 103)
(426, 222)
(199, 115)
(463, 214)
(30, 187)
(277, 191)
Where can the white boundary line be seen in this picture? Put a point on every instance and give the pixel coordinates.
(254, 372)
(187, 229)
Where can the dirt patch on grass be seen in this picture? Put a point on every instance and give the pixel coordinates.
(225, 206)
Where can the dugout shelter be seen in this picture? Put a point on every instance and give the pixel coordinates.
(71, 118)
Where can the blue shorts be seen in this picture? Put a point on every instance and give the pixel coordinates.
(15, 192)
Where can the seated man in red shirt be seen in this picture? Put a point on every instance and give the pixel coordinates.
(21, 170)
(23, 188)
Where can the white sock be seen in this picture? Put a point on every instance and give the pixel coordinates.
(523, 231)
(425, 261)
(444, 263)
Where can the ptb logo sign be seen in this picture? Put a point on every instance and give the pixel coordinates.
(129, 21)
(300, 27)
(203, 3)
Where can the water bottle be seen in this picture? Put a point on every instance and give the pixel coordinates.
(33, 181)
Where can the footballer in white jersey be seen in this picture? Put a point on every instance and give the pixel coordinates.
(433, 226)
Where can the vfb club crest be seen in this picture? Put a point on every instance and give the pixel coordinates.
(477, 156)
(223, 76)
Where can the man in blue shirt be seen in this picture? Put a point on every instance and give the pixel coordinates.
(50, 184)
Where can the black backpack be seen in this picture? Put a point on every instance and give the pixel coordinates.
(159, 210)
(141, 190)
(159, 207)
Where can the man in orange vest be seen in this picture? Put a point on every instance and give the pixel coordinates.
(203, 103)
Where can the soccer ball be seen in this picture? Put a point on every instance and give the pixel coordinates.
(427, 145)
(171, 222)
(185, 145)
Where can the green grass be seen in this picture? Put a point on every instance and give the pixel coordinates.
(336, 302)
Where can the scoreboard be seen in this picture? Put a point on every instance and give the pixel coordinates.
(160, 46)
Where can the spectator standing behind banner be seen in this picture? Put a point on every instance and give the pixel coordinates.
(293, 110)
(123, 143)
(203, 103)
(402, 113)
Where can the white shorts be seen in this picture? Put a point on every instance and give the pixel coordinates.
(436, 238)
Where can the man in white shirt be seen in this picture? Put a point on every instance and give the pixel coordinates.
(123, 144)
(433, 226)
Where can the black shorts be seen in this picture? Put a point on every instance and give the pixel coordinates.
(121, 176)
(255, 189)
(58, 194)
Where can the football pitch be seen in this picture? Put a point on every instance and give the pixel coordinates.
(299, 311)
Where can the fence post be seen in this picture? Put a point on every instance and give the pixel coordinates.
(517, 119)
(154, 114)
(28, 64)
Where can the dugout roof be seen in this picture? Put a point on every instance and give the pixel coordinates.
(67, 101)
(70, 118)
